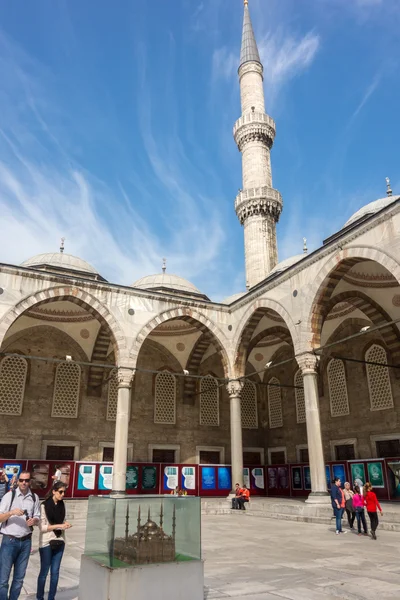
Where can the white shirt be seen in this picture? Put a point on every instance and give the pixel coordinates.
(57, 475)
(17, 526)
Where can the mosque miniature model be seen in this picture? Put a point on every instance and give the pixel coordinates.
(150, 544)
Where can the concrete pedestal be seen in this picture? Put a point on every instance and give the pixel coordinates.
(169, 581)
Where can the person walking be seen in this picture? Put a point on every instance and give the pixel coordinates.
(51, 539)
(348, 498)
(338, 503)
(14, 479)
(3, 483)
(19, 513)
(372, 504)
(358, 505)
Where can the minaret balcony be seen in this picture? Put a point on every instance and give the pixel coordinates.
(254, 126)
(258, 201)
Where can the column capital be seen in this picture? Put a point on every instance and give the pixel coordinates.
(124, 377)
(235, 387)
(308, 362)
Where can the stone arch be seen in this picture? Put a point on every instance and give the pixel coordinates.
(194, 361)
(372, 310)
(332, 272)
(355, 322)
(71, 294)
(253, 315)
(196, 319)
(278, 331)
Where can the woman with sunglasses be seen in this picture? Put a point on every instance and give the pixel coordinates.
(51, 539)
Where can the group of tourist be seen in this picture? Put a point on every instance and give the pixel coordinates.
(20, 512)
(354, 501)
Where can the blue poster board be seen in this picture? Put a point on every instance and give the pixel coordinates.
(105, 477)
(86, 476)
(328, 476)
(208, 480)
(339, 471)
(307, 478)
(224, 478)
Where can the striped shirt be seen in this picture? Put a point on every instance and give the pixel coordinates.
(17, 526)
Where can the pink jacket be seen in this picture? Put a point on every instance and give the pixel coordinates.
(358, 501)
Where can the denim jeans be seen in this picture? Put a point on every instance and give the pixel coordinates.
(50, 558)
(338, 514)
(360, 514)
(15, 553)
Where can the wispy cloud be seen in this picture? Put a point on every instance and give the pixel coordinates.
(366, 96)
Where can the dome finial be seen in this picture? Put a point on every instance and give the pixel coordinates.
(388, 188)
(246, 2)
(62, 245)
(164, 265)
(305, 249)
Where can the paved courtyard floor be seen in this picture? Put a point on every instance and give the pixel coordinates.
(250, 558)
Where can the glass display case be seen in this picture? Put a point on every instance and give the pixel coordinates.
(137, 530)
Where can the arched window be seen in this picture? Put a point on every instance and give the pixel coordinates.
(112, 398)
(209, 401)
(275, 403)
(66, 390)
(165, 398)
(248, 403)
(300, 401)
(380, 389)
(338, 388)
(13, 370)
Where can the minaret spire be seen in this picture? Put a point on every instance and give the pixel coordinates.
(258, 205)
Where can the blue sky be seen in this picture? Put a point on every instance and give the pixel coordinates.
(116, 127)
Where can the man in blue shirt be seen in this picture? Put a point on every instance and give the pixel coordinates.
(337, 498)
(19, 512)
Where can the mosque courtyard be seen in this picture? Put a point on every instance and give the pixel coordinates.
(251, 558)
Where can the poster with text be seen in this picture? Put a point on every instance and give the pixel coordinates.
(105, 477)
(297, 483)
(12, 469)
(357, 474)
(86, 475)
(257, 478)
(283, 478)
(149, 478)
(375, 474)
(339, 471)
(224, 478)
(39, 476)
(132, 477)
(246, 477)
(208, 480)
(272, 478)
(394, 478)
(170, 478)
(307, 478)
(188, 478)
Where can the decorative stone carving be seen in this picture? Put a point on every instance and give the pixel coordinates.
(263, 201)
(308, 363)
(235, 387)
(124, 377)
(251, 67)
(257, 131)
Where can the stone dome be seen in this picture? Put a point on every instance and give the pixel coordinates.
(371, 209)
(167, 282)
(60, 262)
(288, 262)
(232, 298)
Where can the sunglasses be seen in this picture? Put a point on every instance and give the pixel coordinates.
(24, 480)
(60, 491)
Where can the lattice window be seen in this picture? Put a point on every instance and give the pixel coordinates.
(66, 390)
(275, 404)
(13, 370)
(112, 399)
(338, 388)
(248, 403)
(300, 400)
(380, 389)
(209, 401)
(165, 398)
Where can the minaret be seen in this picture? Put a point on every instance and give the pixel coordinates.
(258, 206)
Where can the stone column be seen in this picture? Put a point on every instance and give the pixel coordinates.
(234, 390)
(121, 430)
(319, 493)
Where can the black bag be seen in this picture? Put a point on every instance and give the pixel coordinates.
(349, 505)
(56, 544)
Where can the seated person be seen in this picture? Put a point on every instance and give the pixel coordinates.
(244, 497)
(237, 495)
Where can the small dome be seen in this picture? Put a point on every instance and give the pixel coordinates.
(232, 298)
(371, 209)
(288, 262)
(168, 283)
(60, 261)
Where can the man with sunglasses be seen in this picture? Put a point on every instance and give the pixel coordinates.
(19, 513)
